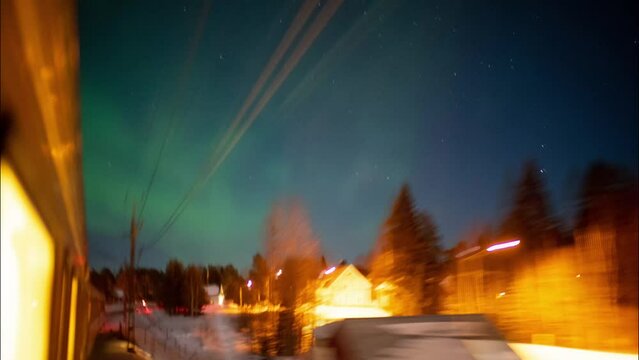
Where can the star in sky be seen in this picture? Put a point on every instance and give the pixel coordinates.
(333, 146)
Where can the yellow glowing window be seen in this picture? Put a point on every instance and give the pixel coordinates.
(72, 320)
(27, 273)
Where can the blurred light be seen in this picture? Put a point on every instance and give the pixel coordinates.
(329, 271)
(505, 245)
(546, 352)
(385, 286)
(79, 260)
(143, 303)
(468, 251)
(327, 312)
(72, 316)
(26, 273)
(500, 295)
(578, 276)
(249, 283)
(279, 272)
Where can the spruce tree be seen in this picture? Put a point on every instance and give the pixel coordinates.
(529, 219)
(407, 256)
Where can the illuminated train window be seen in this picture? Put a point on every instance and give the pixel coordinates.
(27, 272)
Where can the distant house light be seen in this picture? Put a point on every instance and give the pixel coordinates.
(505, 245)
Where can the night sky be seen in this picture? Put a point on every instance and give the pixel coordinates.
(451, 97)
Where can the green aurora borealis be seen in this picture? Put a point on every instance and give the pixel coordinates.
(449, 96)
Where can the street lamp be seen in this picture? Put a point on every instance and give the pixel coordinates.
(249, 284)
(268, 285)
(505, 245)
(329, 271)
(492, 248)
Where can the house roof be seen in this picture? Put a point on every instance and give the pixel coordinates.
(328, 280)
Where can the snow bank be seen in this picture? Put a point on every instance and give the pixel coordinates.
(212, 335)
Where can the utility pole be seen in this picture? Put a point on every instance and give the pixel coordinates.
(131, 298)
(192, 295)
(125, 302)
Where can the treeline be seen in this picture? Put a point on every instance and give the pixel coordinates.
(572, 280)
(176, 288)
(408, 265)
(606, 199)
(410, 271)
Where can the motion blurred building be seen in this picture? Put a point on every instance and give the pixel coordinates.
(571, 296)
(343, 292)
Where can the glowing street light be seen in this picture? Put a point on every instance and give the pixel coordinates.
(278, 273)
(505, 245)
(329, 271)
(249, 284)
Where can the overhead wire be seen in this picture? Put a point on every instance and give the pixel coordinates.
(291, 34)
(304, 44)
(182, 81)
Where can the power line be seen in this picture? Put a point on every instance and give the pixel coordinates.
(307, 40)
(298, 23)
(291, 34)
(153, 111)
(182, 81)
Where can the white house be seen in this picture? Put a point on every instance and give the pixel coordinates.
(216, 294)
(343, 292)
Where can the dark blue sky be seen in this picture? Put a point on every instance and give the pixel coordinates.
(449, 96)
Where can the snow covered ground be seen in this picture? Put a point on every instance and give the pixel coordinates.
(214, 335)
(543, 352)
(209, 336)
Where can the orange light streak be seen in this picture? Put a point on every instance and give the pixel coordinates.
(505, 245)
